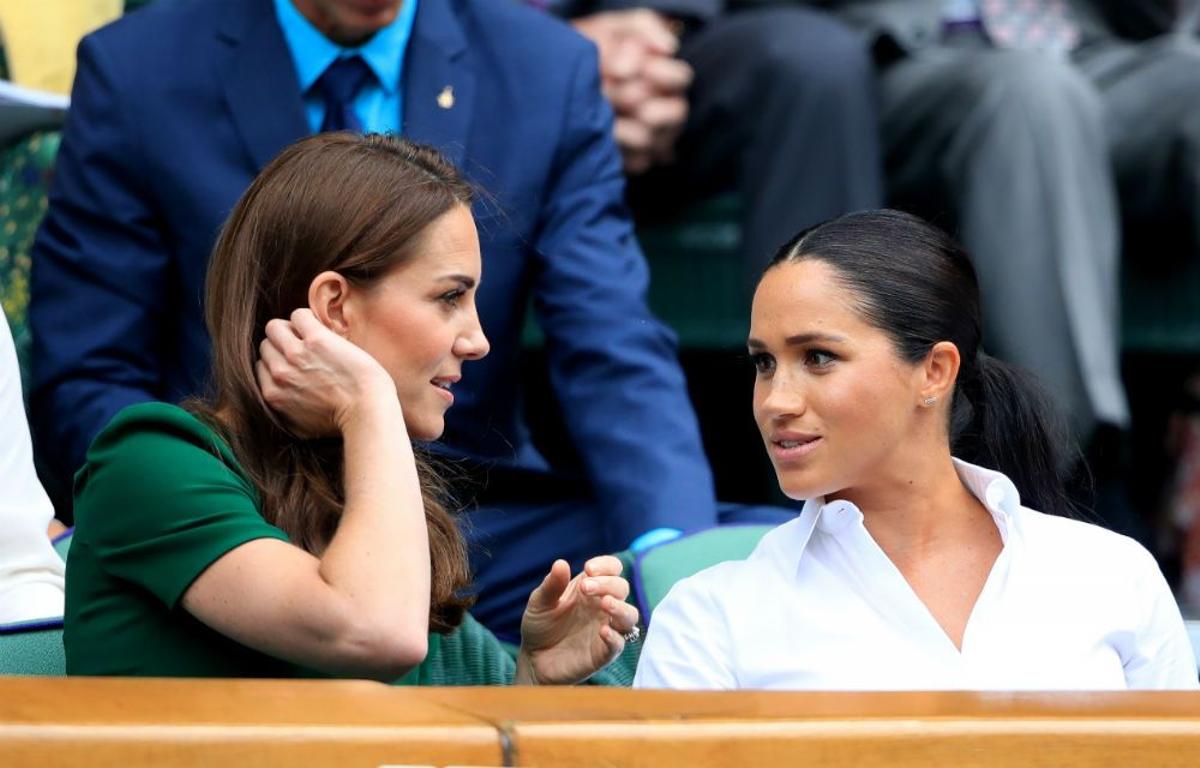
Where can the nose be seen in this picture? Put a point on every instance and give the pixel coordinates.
(472, 344)
(778, 399)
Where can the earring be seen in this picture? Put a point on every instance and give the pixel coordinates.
(930, 401)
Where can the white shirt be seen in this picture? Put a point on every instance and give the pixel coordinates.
(818, 605)
(31, 572)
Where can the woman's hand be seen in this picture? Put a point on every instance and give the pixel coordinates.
(574, 626)
(316, 380)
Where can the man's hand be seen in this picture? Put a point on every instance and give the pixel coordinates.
(644, 82)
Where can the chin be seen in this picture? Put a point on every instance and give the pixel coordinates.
(796, 494)
(802, 489)
(426, 430)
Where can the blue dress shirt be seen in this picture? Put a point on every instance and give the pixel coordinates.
(379, 105)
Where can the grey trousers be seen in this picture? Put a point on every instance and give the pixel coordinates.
(1022, 154)
(1151, 95)
(783, 111)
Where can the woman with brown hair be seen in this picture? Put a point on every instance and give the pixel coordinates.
(283, 525)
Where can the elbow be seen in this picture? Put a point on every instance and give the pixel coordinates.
(399, 656)
(387, 652)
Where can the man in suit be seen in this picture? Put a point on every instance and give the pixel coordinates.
(775, 102)
(175, 109)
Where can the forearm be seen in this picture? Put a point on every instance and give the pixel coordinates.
(379, 557)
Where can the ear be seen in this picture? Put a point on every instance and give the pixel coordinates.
(328, 294)
(938, 373)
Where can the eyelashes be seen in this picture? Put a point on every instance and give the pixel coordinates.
(451, 298)
(762, 362)
(815, 359)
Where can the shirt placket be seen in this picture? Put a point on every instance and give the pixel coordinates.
(983, 629)
(883, 587)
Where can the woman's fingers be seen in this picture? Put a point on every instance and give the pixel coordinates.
(614, 640)
(264, 377)
(281, 331)
(545, 596)
(281, 334)
(598, 586)
(621, 616)
(305, 323)
(604, 565)
(270, 355)
(271, 391)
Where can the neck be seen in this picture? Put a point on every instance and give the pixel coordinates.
(919, 505)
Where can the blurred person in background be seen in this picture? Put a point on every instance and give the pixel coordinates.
(720, 95)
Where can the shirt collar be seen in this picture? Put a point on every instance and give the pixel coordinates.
(312, 52)
(997, 493)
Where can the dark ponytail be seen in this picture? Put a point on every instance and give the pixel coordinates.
(917, 285)
(1004, 419)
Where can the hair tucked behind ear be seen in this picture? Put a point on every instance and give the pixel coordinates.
(334, 201)
(914, 283)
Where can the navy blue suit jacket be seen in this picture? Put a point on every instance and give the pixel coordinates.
(177, 107)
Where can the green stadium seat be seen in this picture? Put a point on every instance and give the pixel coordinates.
(62, 543)
(32, 648)
(35, 647)
(660, 567)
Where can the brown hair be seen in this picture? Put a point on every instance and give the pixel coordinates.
(333, 201)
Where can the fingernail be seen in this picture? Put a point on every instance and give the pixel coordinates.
(589, 586)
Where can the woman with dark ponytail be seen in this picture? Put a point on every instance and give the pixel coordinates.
(286, 525)
(933, 550)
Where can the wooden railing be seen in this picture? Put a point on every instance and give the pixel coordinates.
(127, 722)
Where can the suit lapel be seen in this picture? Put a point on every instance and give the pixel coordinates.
(439, 86)
(260, 83)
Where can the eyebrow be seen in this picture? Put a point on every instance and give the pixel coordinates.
(463, 280)
(799, 339)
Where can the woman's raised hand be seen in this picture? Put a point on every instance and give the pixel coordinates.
(573, 627)
(317, 380)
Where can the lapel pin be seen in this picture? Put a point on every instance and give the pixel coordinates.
(445, 99)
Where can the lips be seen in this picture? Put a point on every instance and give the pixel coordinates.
(443, 385)
(793, 446)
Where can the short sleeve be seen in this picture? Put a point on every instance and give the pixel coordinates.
(1162, 655)
(687, 645)
(159, 500)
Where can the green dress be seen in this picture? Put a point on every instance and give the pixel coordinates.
(160, 499)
